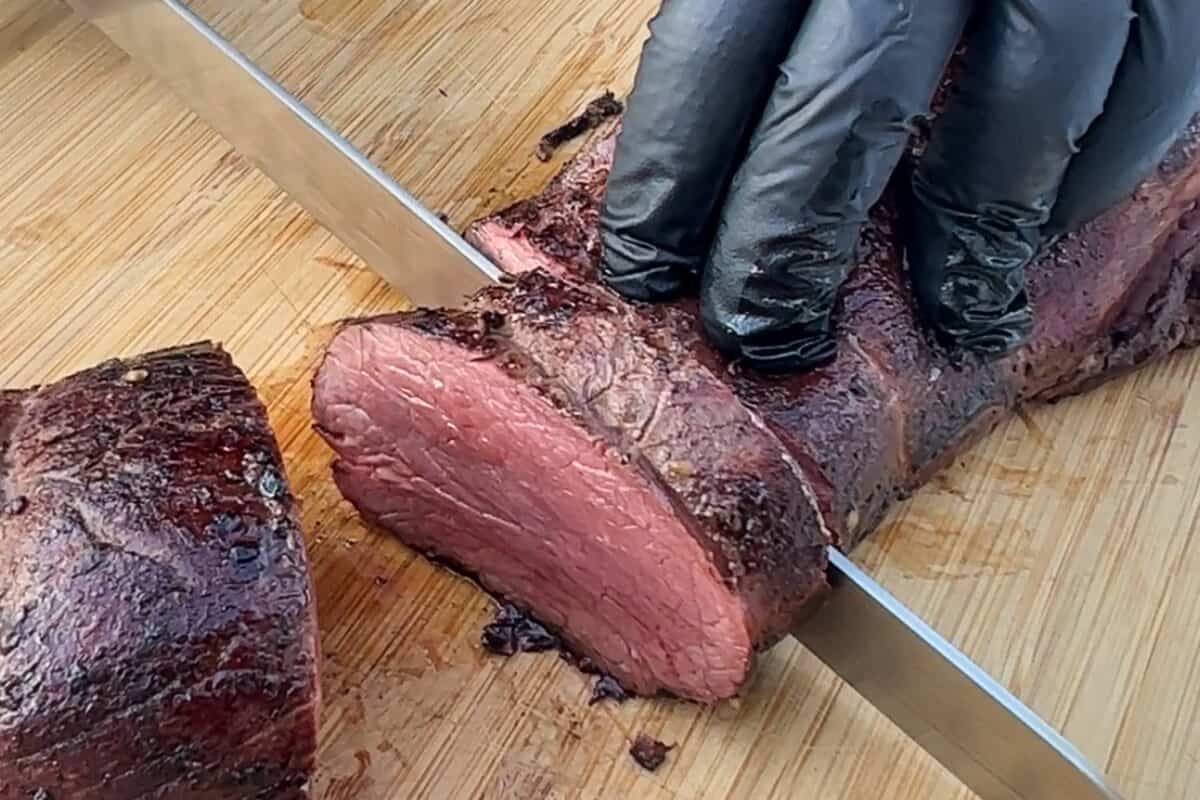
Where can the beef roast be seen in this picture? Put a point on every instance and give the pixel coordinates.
(157, 624)
(595, 461)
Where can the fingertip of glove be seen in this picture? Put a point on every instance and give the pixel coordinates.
(649, 284)
(640, 271)
(987, 340)
(775, 354)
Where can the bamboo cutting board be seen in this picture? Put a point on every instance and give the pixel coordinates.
(1059, 554)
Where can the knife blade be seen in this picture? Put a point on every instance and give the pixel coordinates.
(361, 205)
(979, 731)
(955, 711)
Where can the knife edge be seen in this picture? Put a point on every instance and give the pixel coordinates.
(400, 239)
(964, 718)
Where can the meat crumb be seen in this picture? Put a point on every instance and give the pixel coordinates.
(514, 631)
(15, 506)
(607, 688)
(648, 752)
(581, 663)
(597, 111)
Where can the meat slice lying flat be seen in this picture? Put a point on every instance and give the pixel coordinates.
(595, 461)
(157, 624)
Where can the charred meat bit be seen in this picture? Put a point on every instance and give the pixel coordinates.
(603, 107)
(271, 485)
(513, 631)
(492, 320)
(648, 752)
(581, 663)
(607, 688)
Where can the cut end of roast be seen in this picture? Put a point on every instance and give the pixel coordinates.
(453, 439)
(158, 629)
(505, 244)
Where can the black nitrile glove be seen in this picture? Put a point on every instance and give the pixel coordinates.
(760, 132)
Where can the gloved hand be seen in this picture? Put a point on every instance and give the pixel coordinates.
(760, 132)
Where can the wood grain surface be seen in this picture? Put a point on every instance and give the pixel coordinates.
(1059, 554)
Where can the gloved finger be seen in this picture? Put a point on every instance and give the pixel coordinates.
(703, 76)
(1036, 76)
(858, 76)
(1156, 92)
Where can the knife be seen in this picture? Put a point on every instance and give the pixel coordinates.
(978, 730)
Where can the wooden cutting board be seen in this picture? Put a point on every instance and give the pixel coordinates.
(1059, 554)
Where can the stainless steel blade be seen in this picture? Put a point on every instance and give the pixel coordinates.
(966, 720)
(377, 219)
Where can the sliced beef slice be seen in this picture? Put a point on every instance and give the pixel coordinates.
(602, 479)
(595, 461)
(157, 623)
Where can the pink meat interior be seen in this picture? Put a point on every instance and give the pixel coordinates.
(462, 461)
(506, 246)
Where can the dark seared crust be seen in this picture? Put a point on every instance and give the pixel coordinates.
(157, 625)
(894, 408)
(10, 407)
(878, 419)
(1115, 295)
(602, 108)
(1181, 158)
(633, 376)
